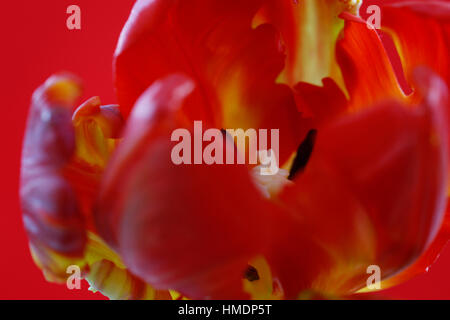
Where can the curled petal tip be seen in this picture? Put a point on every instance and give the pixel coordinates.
(62, 89)
(144, 15)
(89, 107)
(180, 87)
(108, 117)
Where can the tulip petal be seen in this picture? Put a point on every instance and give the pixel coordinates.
(119, 284)
(58, 181)
(413, 29)
(368, 71)
(51, 214)
(422, 264)
(439, 9)
(310, 29)
(373, 192)
(188, 228)
(321, 104)
(151, 45)
(107, 274)
(234, 66)
(97, 134)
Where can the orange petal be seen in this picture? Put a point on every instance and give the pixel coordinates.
(366, 66)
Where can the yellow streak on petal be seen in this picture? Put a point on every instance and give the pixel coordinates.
(94, 133)
(350, 263)
(63, 89)
(236, 111)
(101, 267)
(318, 35)
(263, 288)
(109, 275)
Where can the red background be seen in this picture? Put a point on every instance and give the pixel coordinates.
(35, 43)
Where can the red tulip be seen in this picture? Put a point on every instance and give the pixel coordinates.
(363, 122)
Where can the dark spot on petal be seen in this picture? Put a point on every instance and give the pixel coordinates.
(251, 274)
(303, 154)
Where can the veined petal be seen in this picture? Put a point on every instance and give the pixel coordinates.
(58, 187)
(51, 214)
(106, 273)
(97, 133)
(310, 29)
(189, 228)
(366, 66)
(119, 284)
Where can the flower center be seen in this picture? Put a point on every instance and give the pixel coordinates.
(270, 183)
(270, 179)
